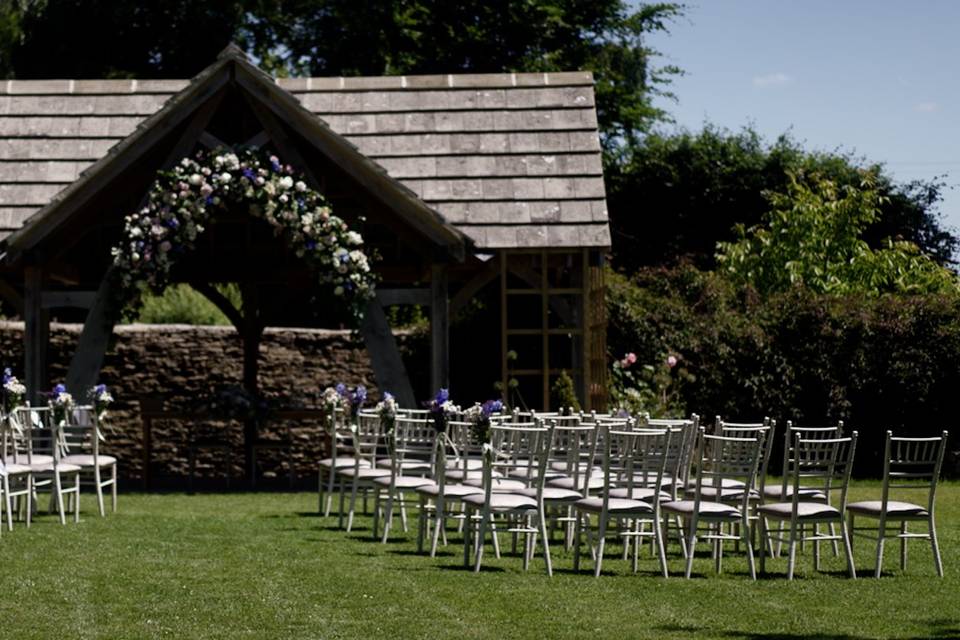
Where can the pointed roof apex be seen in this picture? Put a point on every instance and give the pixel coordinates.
(233, 50)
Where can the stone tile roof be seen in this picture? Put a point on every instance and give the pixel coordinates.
(512, 160)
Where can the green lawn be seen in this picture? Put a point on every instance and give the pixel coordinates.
(265, 566)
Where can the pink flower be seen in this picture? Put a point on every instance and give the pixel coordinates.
(628, 360)
(672, 361)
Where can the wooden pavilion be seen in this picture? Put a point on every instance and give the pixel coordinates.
(465, 185)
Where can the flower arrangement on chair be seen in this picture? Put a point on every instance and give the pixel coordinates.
(14, 391)
(101, 399)
(480, 417)
(61, 404)
(442, 409)
(387, 410)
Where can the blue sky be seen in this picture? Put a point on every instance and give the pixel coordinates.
(876, 77)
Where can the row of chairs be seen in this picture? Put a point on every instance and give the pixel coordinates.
(40, 454)
(535, 475)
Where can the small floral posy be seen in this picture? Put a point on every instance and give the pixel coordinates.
(62, 404)
(442, 409)
(387, 410)
(480, 416)
(101, 399)
(357, 398)
(14, 391)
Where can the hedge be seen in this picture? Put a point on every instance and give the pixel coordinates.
(877, 363)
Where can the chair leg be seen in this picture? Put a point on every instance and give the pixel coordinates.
(601, 541)
(658, 538)
(353, 504)
(881, 536)
(691, 545)
(577, 524)
(766, 544)
(937, 561)
(747, 536)
(847, 548)
(792, 551)
(99, 488)
(816, 547)
(58, 497)
(481, 533)
(76, 499)
(467, 535)
(439, 518)
(376, 512)
(29, 501)
(113, 488)
(7, 502)
(903, 546)
(545, 542)
(388, 515)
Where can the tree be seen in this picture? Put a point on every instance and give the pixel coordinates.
(178, 38)
(307, 37)
(109, 39)
(676, 196)
(813, 237)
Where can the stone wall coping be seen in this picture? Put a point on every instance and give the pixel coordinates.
(137, 328)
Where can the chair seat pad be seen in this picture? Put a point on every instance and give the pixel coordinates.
(594, 482)
(805, 510)
(552, 494)
(614, 505)
(499, 485)
(708, 509)
(406, 465)
(458, 475)
(13, 468)
(365, 473)
(48, 468)
(522, 474)
(341, 462)
(726, 483)
(776, 491)
(639, 493)
(450, 490)
(36, 459)
(894, 508)
(85, 460)
(733, 494)
(568, 467)
(404, 482)
(503, 501)
(472, 463)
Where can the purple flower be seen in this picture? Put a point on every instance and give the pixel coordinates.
(359, 395)
(442, 396)
(387, 396)
(172, 223)
(249, 174)
(59, 389)
(7, 374)
(341, 389)
(491, 407)
(311, 245)
(209, 200)
(100, 389)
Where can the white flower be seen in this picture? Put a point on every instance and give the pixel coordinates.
(286, 182)
(225, 177)
(354, 238)
(283, 198)
(300, 185)
(338, 291)
(196, 179)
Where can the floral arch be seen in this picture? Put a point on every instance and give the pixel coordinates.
(181, 204)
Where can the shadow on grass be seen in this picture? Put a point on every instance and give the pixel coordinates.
(939, 628)
(462, 569)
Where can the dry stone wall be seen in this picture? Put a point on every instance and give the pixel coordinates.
(184, 365)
